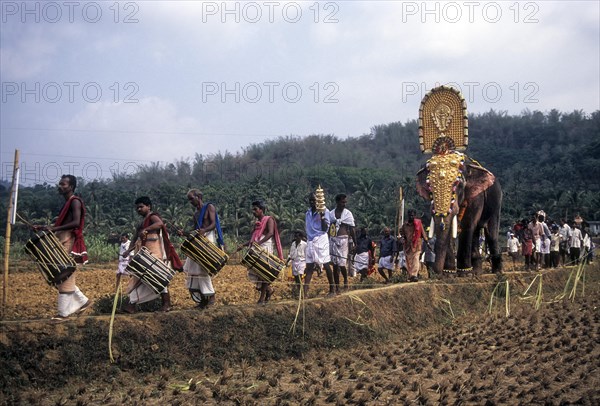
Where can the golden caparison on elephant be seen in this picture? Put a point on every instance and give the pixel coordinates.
(465, 198)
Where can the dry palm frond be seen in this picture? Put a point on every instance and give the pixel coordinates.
(359, 319)
(539, 295)
(575, 275)
(566, 289)
(580, 275)
(506, 297)
(190, 385)
(300, 306)
(449, 312)
(492, 297)
(112, 320)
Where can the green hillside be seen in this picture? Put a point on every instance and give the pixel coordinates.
(547, 161)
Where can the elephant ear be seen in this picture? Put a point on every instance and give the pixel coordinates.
(478, 180)
(422, 188)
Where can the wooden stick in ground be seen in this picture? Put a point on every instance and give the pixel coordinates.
(9, 220)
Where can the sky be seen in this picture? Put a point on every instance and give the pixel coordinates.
(99, 88)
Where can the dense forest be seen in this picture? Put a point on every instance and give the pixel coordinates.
(547, 161)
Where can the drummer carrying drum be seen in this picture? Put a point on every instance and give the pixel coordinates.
(68, 228)
(206, 222)
(153, 235)
(266, 235)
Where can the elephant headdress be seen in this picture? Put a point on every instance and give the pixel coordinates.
(463, 194)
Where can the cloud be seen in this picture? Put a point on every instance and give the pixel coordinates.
(152, 129)
(28, 54)
(372, 53)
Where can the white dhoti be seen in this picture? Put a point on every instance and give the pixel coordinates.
(121, 269)
(197, 279)
(298, 267)
(140, 293)
(137, 291)
(339, 250)
(545, 245)
(71, 302)
(361, 261)
(70, 298)
(317, 250)
(402, 259)
(386, 262)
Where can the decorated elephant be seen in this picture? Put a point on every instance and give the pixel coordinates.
(465, 198)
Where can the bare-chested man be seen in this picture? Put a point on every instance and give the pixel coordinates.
(341, 232)
(266, 235)
(206, 221)
(68, 228)
(153, 235)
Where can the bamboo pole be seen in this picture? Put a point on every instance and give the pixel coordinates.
(400, 214)
(9, 220)
(401, 206)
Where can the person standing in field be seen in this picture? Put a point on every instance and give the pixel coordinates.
(388, 254)
(365, 254)
(565, 238)
(266, 235)
(512, 246)
(298, 257)
(152, 234)
(206, 222)
(317, 245)
(341, 232)
(68, 228)
(123, 261)
(575, 244)
(555, 247)
(412, 232)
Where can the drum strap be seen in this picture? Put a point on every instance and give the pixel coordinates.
(135, 286)
(171, 253)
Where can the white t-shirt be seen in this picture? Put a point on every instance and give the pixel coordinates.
(298, 252)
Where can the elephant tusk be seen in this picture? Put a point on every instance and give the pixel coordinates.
(431, 227)
(454, 227)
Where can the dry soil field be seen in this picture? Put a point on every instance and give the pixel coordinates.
(431, 342)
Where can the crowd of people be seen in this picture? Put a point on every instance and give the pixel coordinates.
(331, 242)
(545, 243)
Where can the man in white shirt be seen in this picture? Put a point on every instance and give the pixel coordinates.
(123, 261)
(565, 238)
(513, 245)
(317, 245)
(576, 242)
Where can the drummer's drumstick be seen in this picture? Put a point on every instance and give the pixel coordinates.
(178, 229)
(25, 221)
